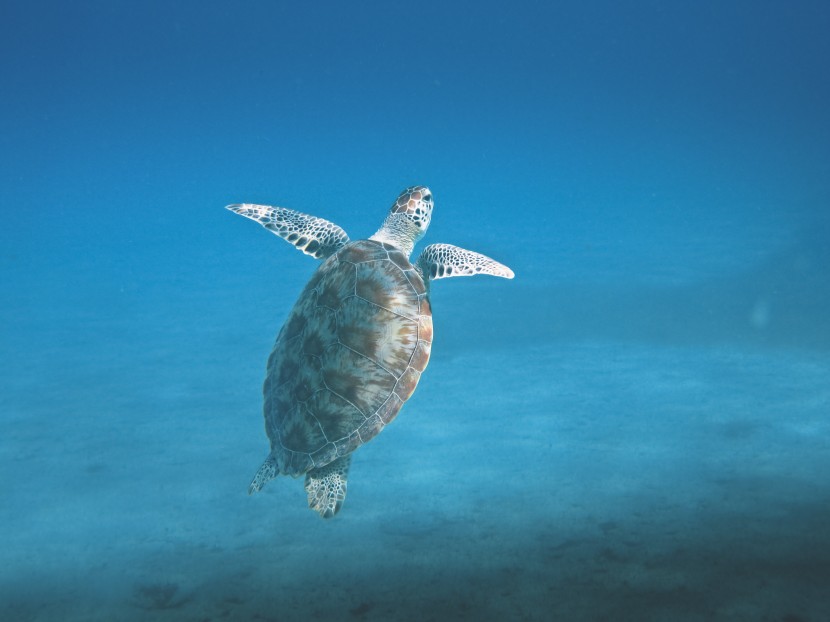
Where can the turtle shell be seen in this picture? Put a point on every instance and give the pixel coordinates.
(349, 355)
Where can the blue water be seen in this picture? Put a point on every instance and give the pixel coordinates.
(635, 428)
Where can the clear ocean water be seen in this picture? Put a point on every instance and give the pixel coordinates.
(637, 427)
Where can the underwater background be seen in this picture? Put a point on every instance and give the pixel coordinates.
(637, 427)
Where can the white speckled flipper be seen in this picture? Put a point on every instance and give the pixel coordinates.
(326, 486)
(439, 261)
(266, 473)
(314, 236)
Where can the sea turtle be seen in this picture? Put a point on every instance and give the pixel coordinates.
(356, 342)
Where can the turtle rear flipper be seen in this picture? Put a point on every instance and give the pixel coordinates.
(326, 486)
(266, 473)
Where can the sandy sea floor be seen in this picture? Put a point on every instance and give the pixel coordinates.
(583, 480)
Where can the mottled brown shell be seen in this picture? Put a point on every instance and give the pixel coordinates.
(348, 357)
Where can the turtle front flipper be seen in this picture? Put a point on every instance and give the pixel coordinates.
(314, 236)
(326, 486)
(438, 261)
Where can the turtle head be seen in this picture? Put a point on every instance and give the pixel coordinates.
(408, 219)
(415, 204)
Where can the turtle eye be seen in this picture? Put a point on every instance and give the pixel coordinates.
(426, 198)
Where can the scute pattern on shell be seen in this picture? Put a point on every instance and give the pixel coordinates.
(348, 357)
